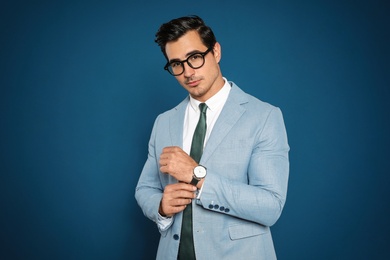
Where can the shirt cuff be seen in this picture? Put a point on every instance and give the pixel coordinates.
(164, 222)
(199, 192)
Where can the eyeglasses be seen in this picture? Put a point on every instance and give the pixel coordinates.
(195, 61)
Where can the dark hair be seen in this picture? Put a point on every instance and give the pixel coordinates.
(176, 28)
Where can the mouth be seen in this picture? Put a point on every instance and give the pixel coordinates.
(193, 83)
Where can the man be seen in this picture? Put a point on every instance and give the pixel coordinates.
(219, 202)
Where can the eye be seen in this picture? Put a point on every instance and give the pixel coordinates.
(196, 56)
(175, 64)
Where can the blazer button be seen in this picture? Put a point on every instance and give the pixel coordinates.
(216, 206)
(227, 210)
(211, 206)
(222, 208)
(176, 236)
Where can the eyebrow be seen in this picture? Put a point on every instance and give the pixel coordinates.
(187, 55)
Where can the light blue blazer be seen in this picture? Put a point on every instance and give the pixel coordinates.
(245, 188)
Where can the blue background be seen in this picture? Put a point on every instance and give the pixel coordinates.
(82, 82)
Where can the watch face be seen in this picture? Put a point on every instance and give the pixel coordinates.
(200, 172)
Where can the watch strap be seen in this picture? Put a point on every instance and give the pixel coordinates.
(194, 181)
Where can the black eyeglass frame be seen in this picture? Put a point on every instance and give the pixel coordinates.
(166, 67)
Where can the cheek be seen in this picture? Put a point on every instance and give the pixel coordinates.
(211, 69)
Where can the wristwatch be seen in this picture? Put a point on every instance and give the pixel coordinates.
(199, 173)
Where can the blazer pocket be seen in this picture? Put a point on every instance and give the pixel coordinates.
(246, 230)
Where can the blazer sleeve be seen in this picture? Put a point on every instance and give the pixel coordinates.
(262, 197)
(149, 189)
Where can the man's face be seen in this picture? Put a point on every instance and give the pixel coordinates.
(201, 83)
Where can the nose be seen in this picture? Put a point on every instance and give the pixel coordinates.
(188, 71)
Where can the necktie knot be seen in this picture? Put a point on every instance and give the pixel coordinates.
(203, 108)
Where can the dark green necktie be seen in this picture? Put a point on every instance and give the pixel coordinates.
(186, 249)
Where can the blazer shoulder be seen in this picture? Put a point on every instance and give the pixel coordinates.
(249, 101)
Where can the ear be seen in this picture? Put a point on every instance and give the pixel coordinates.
(217, 52)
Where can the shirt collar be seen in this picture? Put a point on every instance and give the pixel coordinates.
(215, 101)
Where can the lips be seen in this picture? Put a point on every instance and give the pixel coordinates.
(193, 83)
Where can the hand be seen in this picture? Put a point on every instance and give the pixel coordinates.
(177, 163)
(175, 198)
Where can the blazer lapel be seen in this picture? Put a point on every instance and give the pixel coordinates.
(229, 116)
(176, 124)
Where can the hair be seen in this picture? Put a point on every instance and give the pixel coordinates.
(176, 28)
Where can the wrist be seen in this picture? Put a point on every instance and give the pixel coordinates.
(160, 211)
(200, 184)
(199, 173)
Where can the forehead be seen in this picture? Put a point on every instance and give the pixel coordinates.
(186, 44)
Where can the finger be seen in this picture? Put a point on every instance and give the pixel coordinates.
(183, 194)
(180, 202)
(168, 210)
(175, 210)
(172, 206)
(164, 169)
(177, 202)
(166, 149)
(180, 186)
(163, 162)
(164, 157)
(171, 149)
(177, 197)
